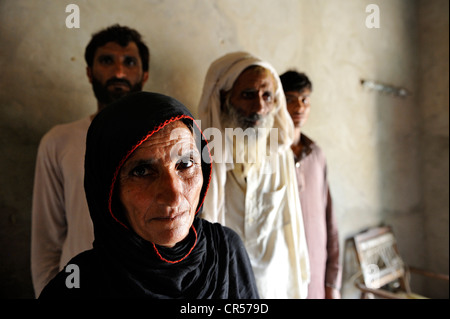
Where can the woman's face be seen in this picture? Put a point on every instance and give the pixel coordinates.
(160, 185)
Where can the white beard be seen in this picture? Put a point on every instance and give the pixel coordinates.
(250, 144)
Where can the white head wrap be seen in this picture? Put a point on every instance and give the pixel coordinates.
(221, 76)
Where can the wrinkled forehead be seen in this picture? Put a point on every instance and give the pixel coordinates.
(172, 134)
(170, 144)
(256, 75)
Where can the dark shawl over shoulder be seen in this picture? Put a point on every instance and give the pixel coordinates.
(210, 263)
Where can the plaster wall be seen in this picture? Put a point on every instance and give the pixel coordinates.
(387, 156)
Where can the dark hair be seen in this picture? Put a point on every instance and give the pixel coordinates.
(295, 81)
(121, 35)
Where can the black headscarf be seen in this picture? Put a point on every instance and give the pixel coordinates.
(211, 262)
(113, 136)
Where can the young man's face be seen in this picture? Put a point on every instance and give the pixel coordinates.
(298, 105)
(116, 71)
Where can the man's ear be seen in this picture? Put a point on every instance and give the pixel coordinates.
(144, 77)
(89, 73)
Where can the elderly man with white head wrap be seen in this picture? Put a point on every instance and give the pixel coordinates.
(256, 196)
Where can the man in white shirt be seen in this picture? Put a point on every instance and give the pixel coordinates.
(117, 64)
(253, 188)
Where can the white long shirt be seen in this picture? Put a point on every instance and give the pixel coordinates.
(262, 210)
(61, 224)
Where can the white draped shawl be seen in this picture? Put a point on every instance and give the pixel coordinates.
(286, 238)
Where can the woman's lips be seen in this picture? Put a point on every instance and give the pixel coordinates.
(170, 218)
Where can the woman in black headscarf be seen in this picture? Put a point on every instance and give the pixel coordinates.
(147, 171)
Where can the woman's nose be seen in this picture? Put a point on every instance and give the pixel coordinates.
(170, 190)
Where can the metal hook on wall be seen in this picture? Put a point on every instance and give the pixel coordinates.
(384, 88)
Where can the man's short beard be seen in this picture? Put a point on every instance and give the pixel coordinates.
(235, 118)
(250, 145)
(105, 96)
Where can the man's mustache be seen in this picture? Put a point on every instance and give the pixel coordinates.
(252, 117)
(118, 81)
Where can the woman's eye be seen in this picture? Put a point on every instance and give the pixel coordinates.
(185, 163)
(140, 171)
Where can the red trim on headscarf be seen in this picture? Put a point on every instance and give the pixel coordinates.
(177, 261)
(210, 164)
(116, 173)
